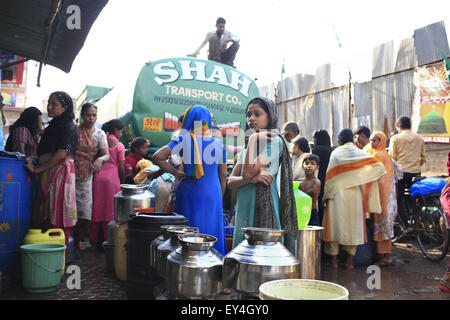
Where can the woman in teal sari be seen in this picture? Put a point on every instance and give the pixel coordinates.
(258, 202)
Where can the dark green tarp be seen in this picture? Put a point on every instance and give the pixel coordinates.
(23, 31)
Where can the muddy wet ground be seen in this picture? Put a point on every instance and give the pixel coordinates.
(412, 277)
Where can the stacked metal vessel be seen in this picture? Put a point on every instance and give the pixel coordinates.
(130, 197)
(193, 269)
(162, 249)
(171, 244)
(261, 257)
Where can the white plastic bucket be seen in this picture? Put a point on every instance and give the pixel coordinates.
(302, 289)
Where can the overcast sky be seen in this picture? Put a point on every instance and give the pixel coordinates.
(129, 33)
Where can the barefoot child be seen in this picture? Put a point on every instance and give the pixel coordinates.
(311, 185)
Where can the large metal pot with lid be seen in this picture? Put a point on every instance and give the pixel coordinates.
(157, 241)
(131, 197)
(170, 245)
(261, 257)
(194, 271)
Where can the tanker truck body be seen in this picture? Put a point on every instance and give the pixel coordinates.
(167, 87)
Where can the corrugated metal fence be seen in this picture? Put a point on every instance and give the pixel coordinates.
(314, 103)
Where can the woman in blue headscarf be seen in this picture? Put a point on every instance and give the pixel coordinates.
(202, 174)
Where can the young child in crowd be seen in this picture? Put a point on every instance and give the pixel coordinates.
(141, 176)
(311, 185)
(139, 149)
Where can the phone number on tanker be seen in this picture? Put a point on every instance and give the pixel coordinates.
(188, 102)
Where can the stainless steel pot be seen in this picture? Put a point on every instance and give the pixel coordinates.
(129, 198)
(194, 271)
(259, 258)
(156, 242)
(308, 251)
(170, 245)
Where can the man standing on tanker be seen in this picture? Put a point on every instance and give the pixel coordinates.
(218, 41)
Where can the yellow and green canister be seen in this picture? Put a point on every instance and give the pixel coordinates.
(303, 202)
(53, 236)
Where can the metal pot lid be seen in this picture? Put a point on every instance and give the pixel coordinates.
(253, 234)
(197, 241)
(175, 231)
(165, 228)
(133, 189)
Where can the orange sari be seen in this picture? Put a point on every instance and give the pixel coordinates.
(381, 154)
(351, 190)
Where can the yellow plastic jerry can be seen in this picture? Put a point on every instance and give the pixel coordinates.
(55, 236)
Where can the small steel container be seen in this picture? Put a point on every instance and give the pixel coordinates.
(131, 197)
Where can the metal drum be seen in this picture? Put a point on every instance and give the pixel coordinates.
(131, 197)
(170, 245)
(308, 248)
(194, 270)
(258, 259)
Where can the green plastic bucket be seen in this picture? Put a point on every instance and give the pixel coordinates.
(303, 203)
(41, 266)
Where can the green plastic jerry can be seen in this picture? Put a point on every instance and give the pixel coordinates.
(303, 202)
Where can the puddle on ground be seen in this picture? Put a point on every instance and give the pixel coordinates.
(410, 277)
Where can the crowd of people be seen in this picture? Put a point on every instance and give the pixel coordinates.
(64, 159)
(359, 181)
(362, 181)
(79, 169)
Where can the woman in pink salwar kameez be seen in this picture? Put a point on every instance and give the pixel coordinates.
(107, 181)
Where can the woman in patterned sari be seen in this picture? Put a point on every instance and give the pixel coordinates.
(92, 152)
(56, 168)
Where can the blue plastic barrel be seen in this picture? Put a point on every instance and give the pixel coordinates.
(15, 210)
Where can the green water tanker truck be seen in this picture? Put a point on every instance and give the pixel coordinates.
(167, 87)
